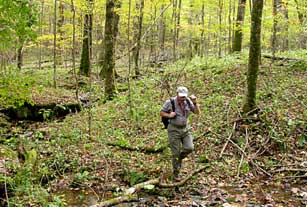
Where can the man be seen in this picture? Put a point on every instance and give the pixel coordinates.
(179, 130)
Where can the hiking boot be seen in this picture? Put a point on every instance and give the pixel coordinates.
(176, 177)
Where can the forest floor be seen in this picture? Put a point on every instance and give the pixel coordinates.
(98, 153)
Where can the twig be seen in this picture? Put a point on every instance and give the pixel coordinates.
(289, 170)
(229, 137)
(255, 164)
(97, 196)
(242, 156)
(5, 185)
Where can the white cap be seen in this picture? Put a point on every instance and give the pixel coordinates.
(182, 91)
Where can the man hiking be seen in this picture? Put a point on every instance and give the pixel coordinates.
(178, 109)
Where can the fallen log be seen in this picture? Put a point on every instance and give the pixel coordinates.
(130, 194)
(146, 150)
(281, 58)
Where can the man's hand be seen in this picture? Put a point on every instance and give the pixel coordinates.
(193, 99)
(172, 115)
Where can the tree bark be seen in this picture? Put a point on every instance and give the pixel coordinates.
(161, 33)
(276, 39)
(19, 55)
(110, 39)
(254, 56)
(138, 35)
(238, 36)
(302, 16)
(55, 44)
(85, 64)
(220, 11)
(60, 23)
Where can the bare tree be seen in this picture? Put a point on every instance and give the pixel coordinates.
(85, 64)
(54, 44)
(238, 36)
(137, 36)
(254, 56)
(111, 28)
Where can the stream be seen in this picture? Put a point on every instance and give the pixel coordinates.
(259, 193)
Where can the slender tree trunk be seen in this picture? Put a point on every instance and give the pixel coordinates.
(85, 64)
(229, 26)
(275, 27)
(110, 38)
(19, 54)
(178, 22)
(208, 45)
(254, 56)
(190, 22)
(60, 23)
(138, 35)
(174, 19)
(202, 34)
(220, 28)
(55, 44)
(153, 51)
(129, 61)
(285, 44)
(238, 36)
(302, 16)
(41, 15)
(161, 33)
(73, 52)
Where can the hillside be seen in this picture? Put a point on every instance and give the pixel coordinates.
(97, 153)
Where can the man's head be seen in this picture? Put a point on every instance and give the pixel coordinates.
(182, 93)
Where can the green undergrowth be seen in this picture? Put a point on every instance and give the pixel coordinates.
(108, 141)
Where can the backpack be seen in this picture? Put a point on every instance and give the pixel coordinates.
(165, 120)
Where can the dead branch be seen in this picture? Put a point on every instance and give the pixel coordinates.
(283, 169)
(130, 194)
(242, 156)
(250, 160)
(148, 150)
(226, 143)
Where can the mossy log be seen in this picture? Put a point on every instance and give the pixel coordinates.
(41, 112)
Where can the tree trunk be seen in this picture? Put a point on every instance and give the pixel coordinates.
(60, 23)
(190, 22)
(254, 56)
(285, 43)
(161, 33)
(276, 39)
(19, 55)
(85, 64)
(73, 52)
(238, 36)
(202, 34)
(174, 19)
(220, 28)
(302, 16)
(110, 39)
(138, 35)
(41, 14)
(229, 26)
(54, 44)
